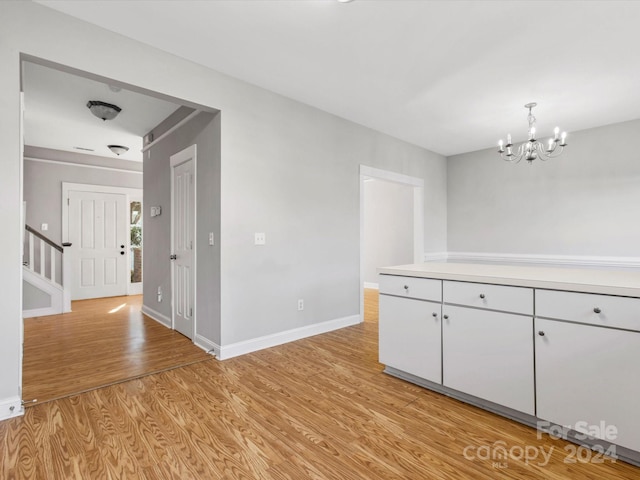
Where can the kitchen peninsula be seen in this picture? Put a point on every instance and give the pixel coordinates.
(549, 347)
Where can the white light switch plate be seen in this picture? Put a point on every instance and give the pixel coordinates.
(260, 239)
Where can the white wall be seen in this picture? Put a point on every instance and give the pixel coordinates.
(388, 226)
(585, 202)
(289, 170)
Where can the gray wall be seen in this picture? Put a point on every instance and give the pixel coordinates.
(204, 131)
(585, 202)
(43, 187)
(388, 226)
(288, 169)
(33, 297)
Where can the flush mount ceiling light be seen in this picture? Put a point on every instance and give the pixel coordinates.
(118, 149)
(105, 111)
(533, 148)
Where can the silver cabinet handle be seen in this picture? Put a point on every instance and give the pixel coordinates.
(541, 333)
(482, 295)
(597, 310)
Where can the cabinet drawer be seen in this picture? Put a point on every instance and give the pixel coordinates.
(494, 297)
(412, 287)
(589, 308)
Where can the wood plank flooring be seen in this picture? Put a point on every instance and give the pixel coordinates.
(319, 408)
(102, 341)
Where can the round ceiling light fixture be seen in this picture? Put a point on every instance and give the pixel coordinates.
(118, 149)
(103, 110)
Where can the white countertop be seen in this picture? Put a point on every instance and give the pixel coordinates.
(589, 280)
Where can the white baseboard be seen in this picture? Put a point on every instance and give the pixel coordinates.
(157, 316)
(40, 312)
(255, 344)
(11, 407)
(548, 260)
(207, 345)
(371, 285)
(436, 256)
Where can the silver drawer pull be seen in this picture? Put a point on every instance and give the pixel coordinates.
(597, 310)
(482, 295)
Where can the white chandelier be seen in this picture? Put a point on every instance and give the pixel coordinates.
(533, 148)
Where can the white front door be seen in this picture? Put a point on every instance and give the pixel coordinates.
(98, 234)
(183, 240)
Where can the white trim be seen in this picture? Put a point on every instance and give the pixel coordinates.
(40, 312)
(436, 257)
(157, 316)
(371, 285)
(83, 165)
(188, 154)
(557, 260)
(255, 344)
(5, 408)
(367, 172)
(389, 176)
(207, 345)
(171, 130)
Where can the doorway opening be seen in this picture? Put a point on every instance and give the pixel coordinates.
(391, 228)
(91, 202)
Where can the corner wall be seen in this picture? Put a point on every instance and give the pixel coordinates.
(204, 131)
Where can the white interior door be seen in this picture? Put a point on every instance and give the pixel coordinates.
(183, 240)
(98, 233)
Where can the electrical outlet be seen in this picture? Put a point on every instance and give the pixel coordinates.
(260, 238)
(300, 304)
(44, 227)
(159, 294)
(211, 239)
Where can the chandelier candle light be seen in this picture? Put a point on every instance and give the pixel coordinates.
(533, 148)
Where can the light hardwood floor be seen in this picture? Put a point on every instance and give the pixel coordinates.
(102, 341)
(319, 408)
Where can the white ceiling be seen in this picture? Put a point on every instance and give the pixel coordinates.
(56, 114)
(451, 76)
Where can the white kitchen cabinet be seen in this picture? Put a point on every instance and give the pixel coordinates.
(410, 336)
(489, 355)
(588, 376)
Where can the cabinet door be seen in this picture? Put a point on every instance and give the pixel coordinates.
(589, 376)
(410, 336)
(489, 355)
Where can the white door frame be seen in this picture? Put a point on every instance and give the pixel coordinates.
(129, 193)
(418, 215)
(175, 160)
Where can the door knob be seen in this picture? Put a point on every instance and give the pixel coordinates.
(482, 295)
(173, 257)
(435, 314)
(446, 317)
(541, 333)
(121, 253)
(121, 246)
(597, 310)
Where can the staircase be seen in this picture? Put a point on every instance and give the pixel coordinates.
(44, 273)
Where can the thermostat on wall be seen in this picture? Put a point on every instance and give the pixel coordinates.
(155, 211)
